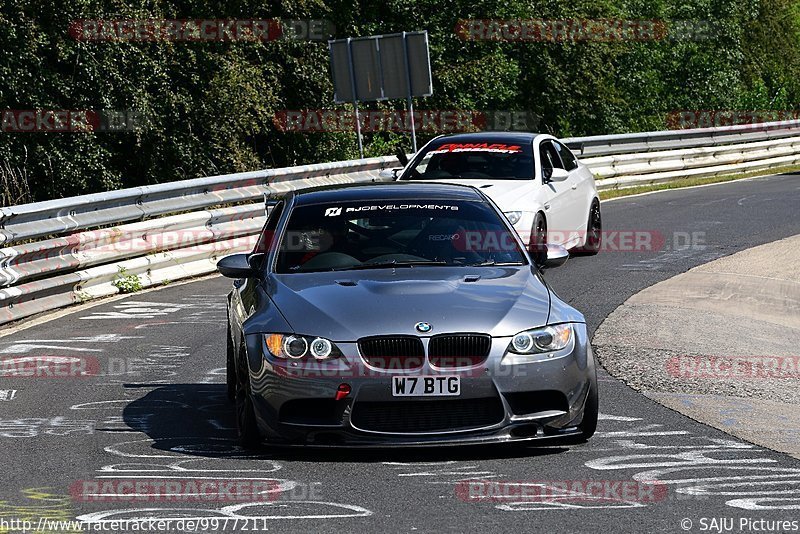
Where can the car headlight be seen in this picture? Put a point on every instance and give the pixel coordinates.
(539, 340)
(296, 347)
(513, 216)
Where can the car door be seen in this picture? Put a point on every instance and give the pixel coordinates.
(557, 207)
(580, 183)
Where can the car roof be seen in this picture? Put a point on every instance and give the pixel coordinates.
(386, 191)
(492, 137)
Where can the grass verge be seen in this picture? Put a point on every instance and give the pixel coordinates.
(690, 182)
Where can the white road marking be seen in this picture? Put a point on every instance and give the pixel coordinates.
(645, 430)
(230, 512)
(607, 417)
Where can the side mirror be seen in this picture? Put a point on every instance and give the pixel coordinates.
(555, 256)
(558, 175)
(390, 174)
(236, 266)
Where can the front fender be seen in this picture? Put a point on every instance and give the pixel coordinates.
(266, 318)
(561, 312)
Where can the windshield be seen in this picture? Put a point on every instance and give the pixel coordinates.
(377, 234)
(494, 161)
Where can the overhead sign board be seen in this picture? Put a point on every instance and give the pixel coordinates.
(381, 67)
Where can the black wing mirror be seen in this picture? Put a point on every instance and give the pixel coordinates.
(238, 266)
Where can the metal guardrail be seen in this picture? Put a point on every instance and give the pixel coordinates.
(604, 145)
(76, 249)
(39, 219)
(217, 215)
(647, 168)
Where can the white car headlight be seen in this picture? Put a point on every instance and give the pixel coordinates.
(513, 216)
(539, 340)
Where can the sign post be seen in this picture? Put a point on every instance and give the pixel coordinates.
(410, 95)
(355, 98)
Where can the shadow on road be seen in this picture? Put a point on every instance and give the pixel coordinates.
(198, 420)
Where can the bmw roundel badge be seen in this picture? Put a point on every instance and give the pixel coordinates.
(423, 327)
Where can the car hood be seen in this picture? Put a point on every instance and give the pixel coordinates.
(505, 193)
(345, 306)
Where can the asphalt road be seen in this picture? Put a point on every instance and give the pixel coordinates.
(157, 412)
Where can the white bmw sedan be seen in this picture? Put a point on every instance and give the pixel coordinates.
(546, 193)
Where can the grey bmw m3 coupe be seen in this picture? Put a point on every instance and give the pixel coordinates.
(402, 314)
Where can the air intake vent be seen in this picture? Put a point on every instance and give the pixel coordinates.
(409, 417)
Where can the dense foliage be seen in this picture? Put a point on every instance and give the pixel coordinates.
(209, 106)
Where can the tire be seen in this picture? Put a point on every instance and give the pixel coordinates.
(594, 232)
(230, 369)
(249, 437)
(537, 244)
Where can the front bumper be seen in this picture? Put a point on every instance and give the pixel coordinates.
(505, 399)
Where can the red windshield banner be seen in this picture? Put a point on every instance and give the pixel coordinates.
(478, 147)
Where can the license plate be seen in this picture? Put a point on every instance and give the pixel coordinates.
(426, 386)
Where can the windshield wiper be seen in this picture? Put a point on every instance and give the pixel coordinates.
(489, 263)
(387, 264)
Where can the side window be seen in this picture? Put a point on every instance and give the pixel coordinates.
(265, 239)
(423, 164)
(569, 159)
(549, 157)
